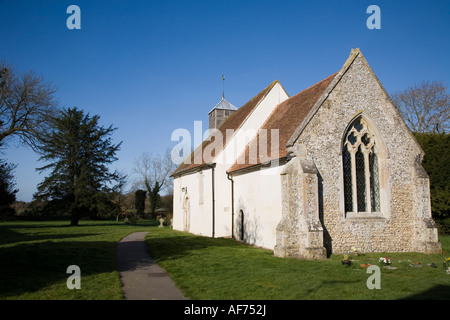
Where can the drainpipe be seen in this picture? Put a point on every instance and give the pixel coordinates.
(232, 204)
(213, 199)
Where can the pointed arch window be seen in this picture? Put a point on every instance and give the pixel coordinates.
(360, 169)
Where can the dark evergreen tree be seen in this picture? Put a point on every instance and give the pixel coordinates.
(140, 202)
(155, 198)
(436, 164)
(7, 190)
(78, 151)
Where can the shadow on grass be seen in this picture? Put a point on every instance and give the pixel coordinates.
(9, 233)
(29, 267)
(439, 292)
(178, 246)
(66, 223)
(9, 236)
(327, 283)
(35, 255)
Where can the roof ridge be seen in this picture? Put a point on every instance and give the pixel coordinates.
(315, 84)
(244, 152)
(268, 88)
(234, 114)
(255, 101)
(281, 109)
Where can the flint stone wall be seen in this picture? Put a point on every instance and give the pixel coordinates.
(405, 222)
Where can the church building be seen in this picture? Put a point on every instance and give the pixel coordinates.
(328, 170)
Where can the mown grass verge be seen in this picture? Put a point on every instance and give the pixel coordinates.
(34, 257)
(223, 269)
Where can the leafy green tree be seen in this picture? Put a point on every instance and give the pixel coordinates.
(78, 151)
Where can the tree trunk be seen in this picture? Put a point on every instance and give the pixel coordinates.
(74, 220)
(75, 216)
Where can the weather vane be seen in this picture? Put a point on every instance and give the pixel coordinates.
(223, 86)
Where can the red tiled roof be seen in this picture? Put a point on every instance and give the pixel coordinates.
(286, 117)
(233, 122)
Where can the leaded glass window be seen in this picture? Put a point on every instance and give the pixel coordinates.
(360, 169)
(347, 162)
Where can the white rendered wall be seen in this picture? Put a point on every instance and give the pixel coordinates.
(197, 188)
(258, 195)
(233, 149)
(201, 213)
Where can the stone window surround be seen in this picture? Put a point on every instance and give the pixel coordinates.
(382, 156)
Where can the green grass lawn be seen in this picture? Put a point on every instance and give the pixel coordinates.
(206, 268)
(34, 257)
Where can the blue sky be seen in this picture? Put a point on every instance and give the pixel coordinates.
(150, 67)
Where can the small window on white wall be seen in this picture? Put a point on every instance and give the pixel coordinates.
(241, 226)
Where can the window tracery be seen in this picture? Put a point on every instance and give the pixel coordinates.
(360, 165)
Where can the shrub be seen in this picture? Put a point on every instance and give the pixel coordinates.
(435, 163)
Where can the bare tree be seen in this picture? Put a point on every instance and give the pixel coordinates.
(425, 107)
(153, 173)
(26, 106)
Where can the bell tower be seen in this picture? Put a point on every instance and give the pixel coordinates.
(220, 112)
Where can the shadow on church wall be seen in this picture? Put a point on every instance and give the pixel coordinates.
(247, 228)
(327, 242)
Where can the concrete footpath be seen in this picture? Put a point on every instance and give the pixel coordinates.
(141, 277)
